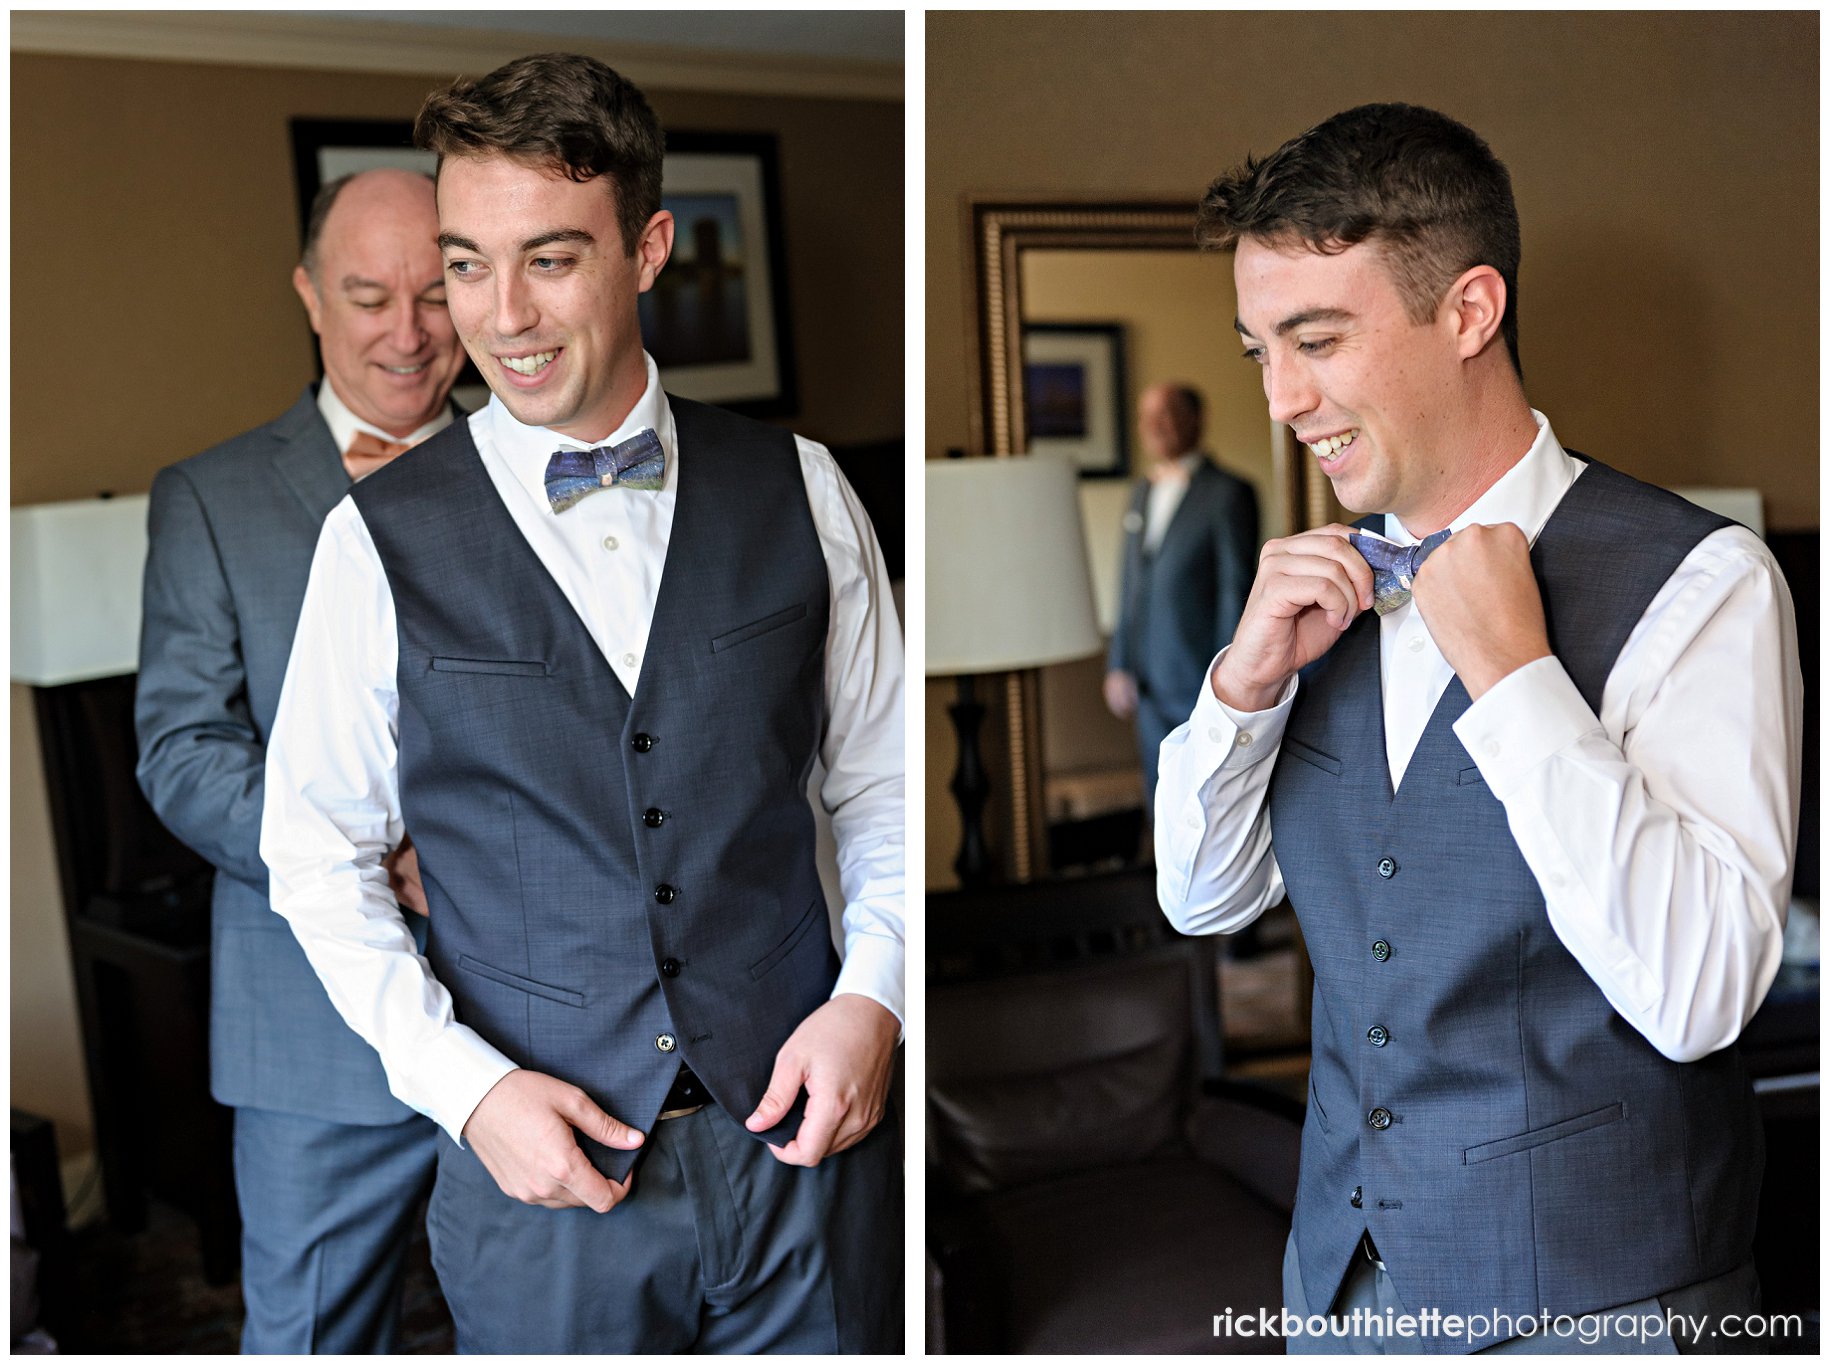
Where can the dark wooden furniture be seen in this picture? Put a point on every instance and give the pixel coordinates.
(137, 907)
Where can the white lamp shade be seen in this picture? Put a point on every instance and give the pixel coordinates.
(76, 589)
(1008, 585)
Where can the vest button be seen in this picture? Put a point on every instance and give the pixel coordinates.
(666, 894)
(641, 743)
(1380, 1119)
(665, 1043)
(1387, 868)
(1377, 1036)
(669, 967)
(1354, 1198)
(653, 818)
(1381, 950)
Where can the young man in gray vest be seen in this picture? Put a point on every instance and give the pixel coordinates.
(329, 1168)
(1537, 822)
(588, 645)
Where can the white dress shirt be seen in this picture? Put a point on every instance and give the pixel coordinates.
(1164, 500)
(1660, 832)
(332, 806)
(344, 424)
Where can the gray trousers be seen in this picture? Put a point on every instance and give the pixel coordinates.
(327, 1211)
(718, 1248)
(1631, 1329)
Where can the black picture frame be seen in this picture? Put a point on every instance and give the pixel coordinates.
(1075, 401)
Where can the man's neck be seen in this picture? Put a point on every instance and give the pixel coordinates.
(1492, 439)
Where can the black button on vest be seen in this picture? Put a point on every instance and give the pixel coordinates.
(1377, 1036)
(666, 894)
(669, 967)
(641, 743)
(1381, 950)
(1380, 1119)
(1388, 868)
(653, 818)
(1354, 1199)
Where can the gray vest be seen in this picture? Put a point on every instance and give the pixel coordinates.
(617, 884)
(1509, 1140)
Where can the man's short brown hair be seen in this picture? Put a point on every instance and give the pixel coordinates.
(1427, 189)
(561, 112)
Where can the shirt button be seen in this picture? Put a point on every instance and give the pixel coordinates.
(1491, 748)
(653, 818)
(1354, 1198)
(1416, 645)
(666, 894)
(629, 661)
(1377, 1036)
(609, 542)
(1192, 821)
(1380, 1119)
(1213, 733)
(669, 967)
(1381, 950)
(1244, 739)
(641, 743)
(1388, 868)
(666, 1043)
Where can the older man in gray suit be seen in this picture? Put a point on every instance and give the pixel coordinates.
(1191, 545)
(1537, 821)
(329, 1167)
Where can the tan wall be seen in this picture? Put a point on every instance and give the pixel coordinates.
(153, 233)
(1665, 167)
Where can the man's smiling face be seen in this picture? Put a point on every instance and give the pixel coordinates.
(1349, 372)
(543, 291)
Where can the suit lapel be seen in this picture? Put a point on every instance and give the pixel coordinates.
(1187, 510)
(307, 460)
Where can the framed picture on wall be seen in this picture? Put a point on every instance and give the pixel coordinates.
(716, 321)
(1074, 395)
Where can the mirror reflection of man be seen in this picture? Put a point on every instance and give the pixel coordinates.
(1191, 548)
(1531, 785)
(589, 645)
(329, 1167)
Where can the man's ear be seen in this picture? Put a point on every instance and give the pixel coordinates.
(1476, 304)
(653, 248)
(308, 295)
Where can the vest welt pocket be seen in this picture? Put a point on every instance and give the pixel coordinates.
(520, 668)
(1470, 777)
(522, 983)
(773, 621)
(1297, 749)
(773, 957)
(1537, 1137)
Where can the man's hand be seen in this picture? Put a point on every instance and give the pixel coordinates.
(1482, 605)
(1121, 694)
(522, 1133)
(841, 1053)
(1308, 590)
(403, 877)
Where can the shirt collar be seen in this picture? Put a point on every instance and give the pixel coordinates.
(344, 424)
(1524, 495)
(526, 449)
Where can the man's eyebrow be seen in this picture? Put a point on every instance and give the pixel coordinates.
(1302, 319)
(557, 235)
(450, 241)
(350, 282)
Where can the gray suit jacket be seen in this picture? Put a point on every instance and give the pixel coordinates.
(1180, 605)
(231, 538)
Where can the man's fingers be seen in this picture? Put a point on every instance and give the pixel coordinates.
(784, 1085)
(813, 1141)
(589, 1186)
(595, 1124)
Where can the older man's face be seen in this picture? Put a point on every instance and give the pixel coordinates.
(376, 299)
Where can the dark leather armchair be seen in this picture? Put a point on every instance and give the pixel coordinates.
(1093, 1184)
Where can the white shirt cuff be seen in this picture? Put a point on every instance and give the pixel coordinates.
(873, 968)
(467, 1069)
(1522, 720)
(1220, 737)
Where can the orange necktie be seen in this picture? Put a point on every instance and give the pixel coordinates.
(369, 452)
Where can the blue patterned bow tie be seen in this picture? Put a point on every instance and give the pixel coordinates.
(635, 463)
(1394, 566)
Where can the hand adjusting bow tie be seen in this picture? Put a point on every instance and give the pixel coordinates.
(635, 463)
(1394, 566)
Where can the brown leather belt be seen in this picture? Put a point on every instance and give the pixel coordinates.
(686, 1096)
